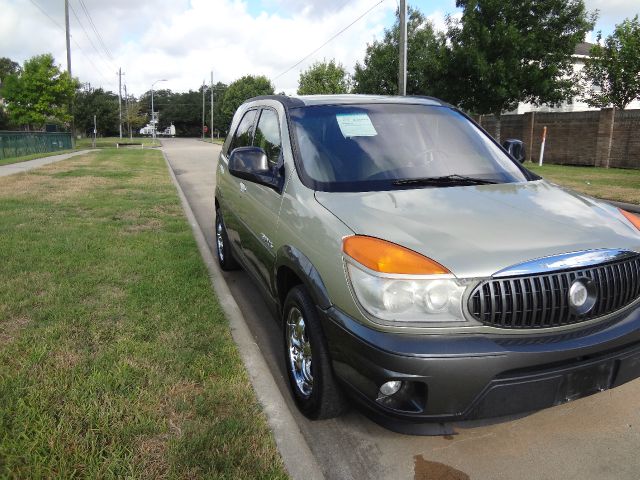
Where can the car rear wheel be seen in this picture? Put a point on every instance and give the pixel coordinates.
(307, 360)
(223, 247)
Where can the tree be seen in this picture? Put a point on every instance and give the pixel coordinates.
(501, 53)
(378, 74)
(324, 78)
(7, 67)
(104, 105)
(40, 93)
(614, 68)
(241, 90)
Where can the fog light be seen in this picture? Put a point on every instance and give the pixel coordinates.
(390, 388)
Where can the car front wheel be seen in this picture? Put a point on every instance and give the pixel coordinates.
(307, 360)
(223, 247)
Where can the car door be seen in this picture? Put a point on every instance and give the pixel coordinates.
(262, 201)
(232, 188)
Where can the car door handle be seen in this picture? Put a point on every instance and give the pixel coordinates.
(243, 187)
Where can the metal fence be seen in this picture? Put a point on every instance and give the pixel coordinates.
(18, 144)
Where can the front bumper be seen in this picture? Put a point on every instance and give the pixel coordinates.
(466, 377)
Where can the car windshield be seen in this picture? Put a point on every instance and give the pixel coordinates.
(388, 146)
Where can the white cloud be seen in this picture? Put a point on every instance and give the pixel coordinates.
(183, 40)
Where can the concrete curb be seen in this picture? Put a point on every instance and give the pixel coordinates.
(298, 459)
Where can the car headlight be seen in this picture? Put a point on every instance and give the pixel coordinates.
(395, 284)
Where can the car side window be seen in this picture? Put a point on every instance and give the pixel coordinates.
(267, 135)
(243, 135)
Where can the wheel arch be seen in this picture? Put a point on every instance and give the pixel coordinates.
(292, 268)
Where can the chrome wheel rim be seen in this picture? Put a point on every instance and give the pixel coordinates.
(220, 240)
(299, 349)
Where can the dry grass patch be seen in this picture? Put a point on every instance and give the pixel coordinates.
(10, 329)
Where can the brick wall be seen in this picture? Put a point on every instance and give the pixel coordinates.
(596, 138)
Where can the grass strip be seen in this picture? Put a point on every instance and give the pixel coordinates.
(110, 142)
(116, 360)
(622, 185)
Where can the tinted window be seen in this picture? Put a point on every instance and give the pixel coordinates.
(268, 135)
(242, 137)
(369, 147)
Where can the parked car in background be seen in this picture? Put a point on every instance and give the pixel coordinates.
(419, 269)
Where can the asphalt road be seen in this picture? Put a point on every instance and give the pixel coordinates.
(592, 438)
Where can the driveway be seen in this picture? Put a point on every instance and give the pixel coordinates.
(593, 438)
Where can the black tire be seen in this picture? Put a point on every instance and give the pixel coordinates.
(325, 399)
(223, 247)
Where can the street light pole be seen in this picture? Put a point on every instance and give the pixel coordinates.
(153, 119)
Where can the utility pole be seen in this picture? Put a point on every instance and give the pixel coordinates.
(126, 110)
(66, 23)
(120, 99)
(68, 35)
(402, 72)
(211, 88)
(95, 131)
(204, 87)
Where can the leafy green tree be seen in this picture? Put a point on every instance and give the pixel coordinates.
(378, 74)
(39, 93)
(614, 68)
(501, 53)
(324, 78)
(132, 116)
(7, 67)
(241, 90)
(104, 105)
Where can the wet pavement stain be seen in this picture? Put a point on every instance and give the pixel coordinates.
(426, 470)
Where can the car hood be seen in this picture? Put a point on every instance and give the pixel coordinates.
(476, 231)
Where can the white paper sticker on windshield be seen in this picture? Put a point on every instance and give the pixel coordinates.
(355, 125)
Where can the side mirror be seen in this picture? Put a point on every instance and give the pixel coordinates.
(250, 163)
(515, 148)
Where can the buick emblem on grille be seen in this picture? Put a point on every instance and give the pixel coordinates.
(582, 295)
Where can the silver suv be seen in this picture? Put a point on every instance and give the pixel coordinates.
(419, 269)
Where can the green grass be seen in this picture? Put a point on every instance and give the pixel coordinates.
(116, 360)
(108, 142)
(618, 184)
(25, 158)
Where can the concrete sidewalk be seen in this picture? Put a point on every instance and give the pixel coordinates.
(38, 162)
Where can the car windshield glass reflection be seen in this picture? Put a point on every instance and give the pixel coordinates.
(386, 146)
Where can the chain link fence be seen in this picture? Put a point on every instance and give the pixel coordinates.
(18, 144)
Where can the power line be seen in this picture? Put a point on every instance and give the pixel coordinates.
(101, 56)
(328, 41)
(47, 15)
(93, 26)
(72, 39)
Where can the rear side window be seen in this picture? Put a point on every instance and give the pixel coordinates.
(244, 132)
(267, 135)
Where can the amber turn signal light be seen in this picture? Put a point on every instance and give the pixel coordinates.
(387, 257)
(634, 219)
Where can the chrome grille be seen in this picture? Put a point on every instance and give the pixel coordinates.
(541, 300)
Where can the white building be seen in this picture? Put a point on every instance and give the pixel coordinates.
(575, 104)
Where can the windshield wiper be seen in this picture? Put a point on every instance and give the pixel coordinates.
(444, 180)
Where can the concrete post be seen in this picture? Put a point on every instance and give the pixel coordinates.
(605, 137)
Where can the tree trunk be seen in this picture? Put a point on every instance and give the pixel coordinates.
(498, 127)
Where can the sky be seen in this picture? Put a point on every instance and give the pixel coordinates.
(183, 41)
